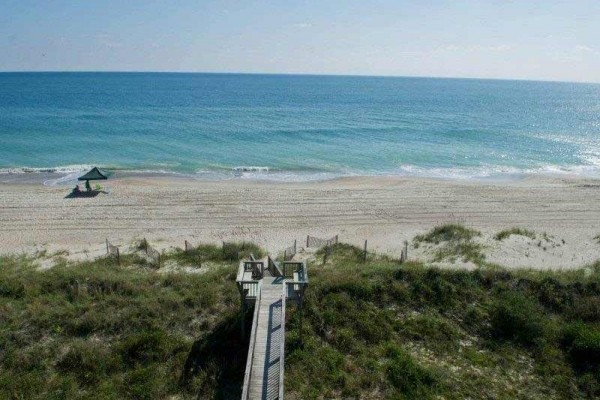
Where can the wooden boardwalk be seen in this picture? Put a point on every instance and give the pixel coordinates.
(268, 285)
(264, 379)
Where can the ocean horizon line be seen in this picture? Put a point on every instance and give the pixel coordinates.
(301, 74)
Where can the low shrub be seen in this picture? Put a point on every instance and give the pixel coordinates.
(582, 341)
(517, 318)
(410, 379)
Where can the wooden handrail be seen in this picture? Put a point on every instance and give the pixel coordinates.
(248, 373)
(282, 344)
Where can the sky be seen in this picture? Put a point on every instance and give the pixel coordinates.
(537, 40)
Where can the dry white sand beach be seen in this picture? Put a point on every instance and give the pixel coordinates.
(386, 211)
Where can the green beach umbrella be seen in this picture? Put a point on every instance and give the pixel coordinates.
(93, 175)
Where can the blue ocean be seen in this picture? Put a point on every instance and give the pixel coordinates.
(293, 127)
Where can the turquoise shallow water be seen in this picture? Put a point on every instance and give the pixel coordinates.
(296, 127)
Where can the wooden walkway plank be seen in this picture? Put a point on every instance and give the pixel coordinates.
(264, 379)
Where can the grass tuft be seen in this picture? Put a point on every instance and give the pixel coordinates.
(456, 243)
(447, 233)
(504, 234)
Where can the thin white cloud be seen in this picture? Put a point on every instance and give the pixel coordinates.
(477, 48)
(585, 49)
(303, 25)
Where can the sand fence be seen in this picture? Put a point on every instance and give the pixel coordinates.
(113, 251)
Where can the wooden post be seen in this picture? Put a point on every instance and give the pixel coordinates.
(242, 324)
(307, 236)
(294, 246)
(285, 255)
(118, 257)
(336, 239)
(185, 246)
(301, 314)
(365, 259)
(107, 252)
(405, 250)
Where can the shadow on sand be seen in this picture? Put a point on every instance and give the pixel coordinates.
(91, 193)
(221, 357)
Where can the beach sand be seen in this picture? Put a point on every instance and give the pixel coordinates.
(385, 211)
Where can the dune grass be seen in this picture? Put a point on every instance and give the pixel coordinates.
(454, 242)
(228, 252)
(95, 330)
(390, 330)
(504, 234)
(370, 330)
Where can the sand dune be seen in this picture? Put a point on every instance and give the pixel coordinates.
(386, 211)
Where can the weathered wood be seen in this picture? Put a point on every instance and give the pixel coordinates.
(312, 241)
(282, 343)
(365, 253)
(112, 250)
(265, 366)
(247, 374)
(264, 379)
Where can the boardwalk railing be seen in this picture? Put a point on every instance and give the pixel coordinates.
(282, 343)
(112, 250)
(289, 267)
(273, 267)
(257, 268)
(312, 241)
(248, 374)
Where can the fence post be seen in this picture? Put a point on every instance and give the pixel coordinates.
(118, 257)
(365, 259)
(107, 252)
(405, 250)
(294, 246)
(285, 255)
(185, 246)
(336, 239)
(307, 236)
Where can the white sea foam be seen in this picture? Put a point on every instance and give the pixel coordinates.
(68, 174)
(63, 169)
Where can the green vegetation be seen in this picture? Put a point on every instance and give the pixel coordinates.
(516, 231)
(370, 330)
(228, 252)
(447, 233)
(455, 242)
(95, 330)
(452, 333)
